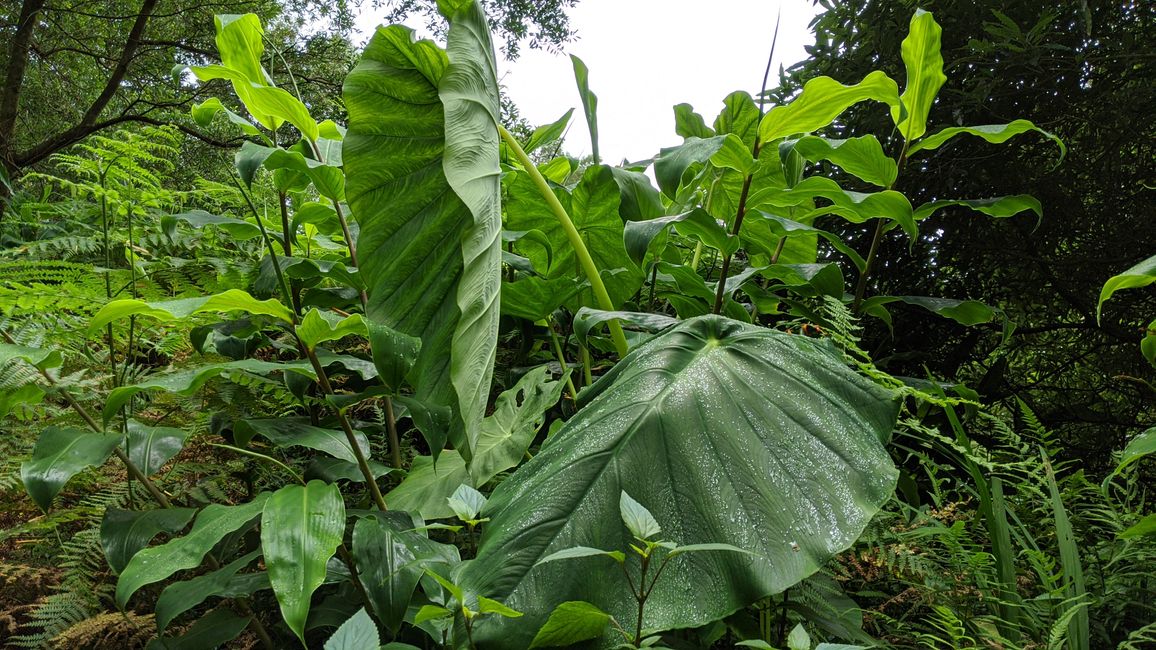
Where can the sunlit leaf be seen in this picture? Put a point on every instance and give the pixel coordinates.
(822, 100)
(924, 63)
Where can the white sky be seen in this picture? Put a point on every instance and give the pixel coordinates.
(644, 57)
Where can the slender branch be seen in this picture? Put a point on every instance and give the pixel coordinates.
(742, 209)
(575, 239)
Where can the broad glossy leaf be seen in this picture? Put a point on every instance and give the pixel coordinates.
(570, 623)
(689, 124)
(149, 448)
(993, 133)
(323, 326)
(411, 214)
(469, 95)
(588, 319)
(180, 597)
(124, 532)
(466, 502)
(1146, 527)
(999, 207)
(1137, 448)
(394, 354)
(332, 470)
(269, 105)
(589, 103)
(238, 229)
(240, 46)
(204, 113)
(594, 209)
(638, 198)
(212, 630)
(1147, 345)
(37, 357)
(730, 433)
(672, 163)
(740, 116)
(536, 298)
(861, 157)
(60, 454)
(301, 528)
(964, 312)
(548, 133)
(575, 552)
(187, 382)
(1140, 275)
(294, 432)
(328, 179)
(697, 223)
(156, 563)
(855, 207)
(172, 310)
(822, 100)
(358, 633)
(924, 63)
(764, 229)
(518, 416)
(385, 566)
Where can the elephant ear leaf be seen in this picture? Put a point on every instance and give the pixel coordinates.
(729, 433)
(421, 156)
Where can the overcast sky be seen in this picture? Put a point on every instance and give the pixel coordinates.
(645, 56)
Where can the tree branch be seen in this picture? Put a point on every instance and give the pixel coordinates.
(14, 76)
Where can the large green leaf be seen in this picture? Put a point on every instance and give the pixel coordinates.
(269, 105)
(187, 382)
(924, 63)
(1140, 275)
(301, 528)
(589, 103)
(238, 229)
(38, 357)
(294, 432)
(156, 563)
(180, 597)
(170, 310)
(60, 454)
(506, 434)
(594, 209)
(424, 190)
(149, 448)
(855, 207)
(211, 631)
(999, 207)
(993, 133)
(124, 532)
(469, 94)
(727, 433)
(822, 100)
(861, 157)
(385, 566)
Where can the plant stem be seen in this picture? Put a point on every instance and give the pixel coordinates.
(362, 463)
(726, 266)
(697, 256)
(642, 595)
(861, 286)
(561, 359)
(391, 426)
(573, 236)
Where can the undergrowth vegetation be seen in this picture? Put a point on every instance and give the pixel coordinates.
(414, 381)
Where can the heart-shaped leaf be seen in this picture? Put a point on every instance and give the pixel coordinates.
(730, 434)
